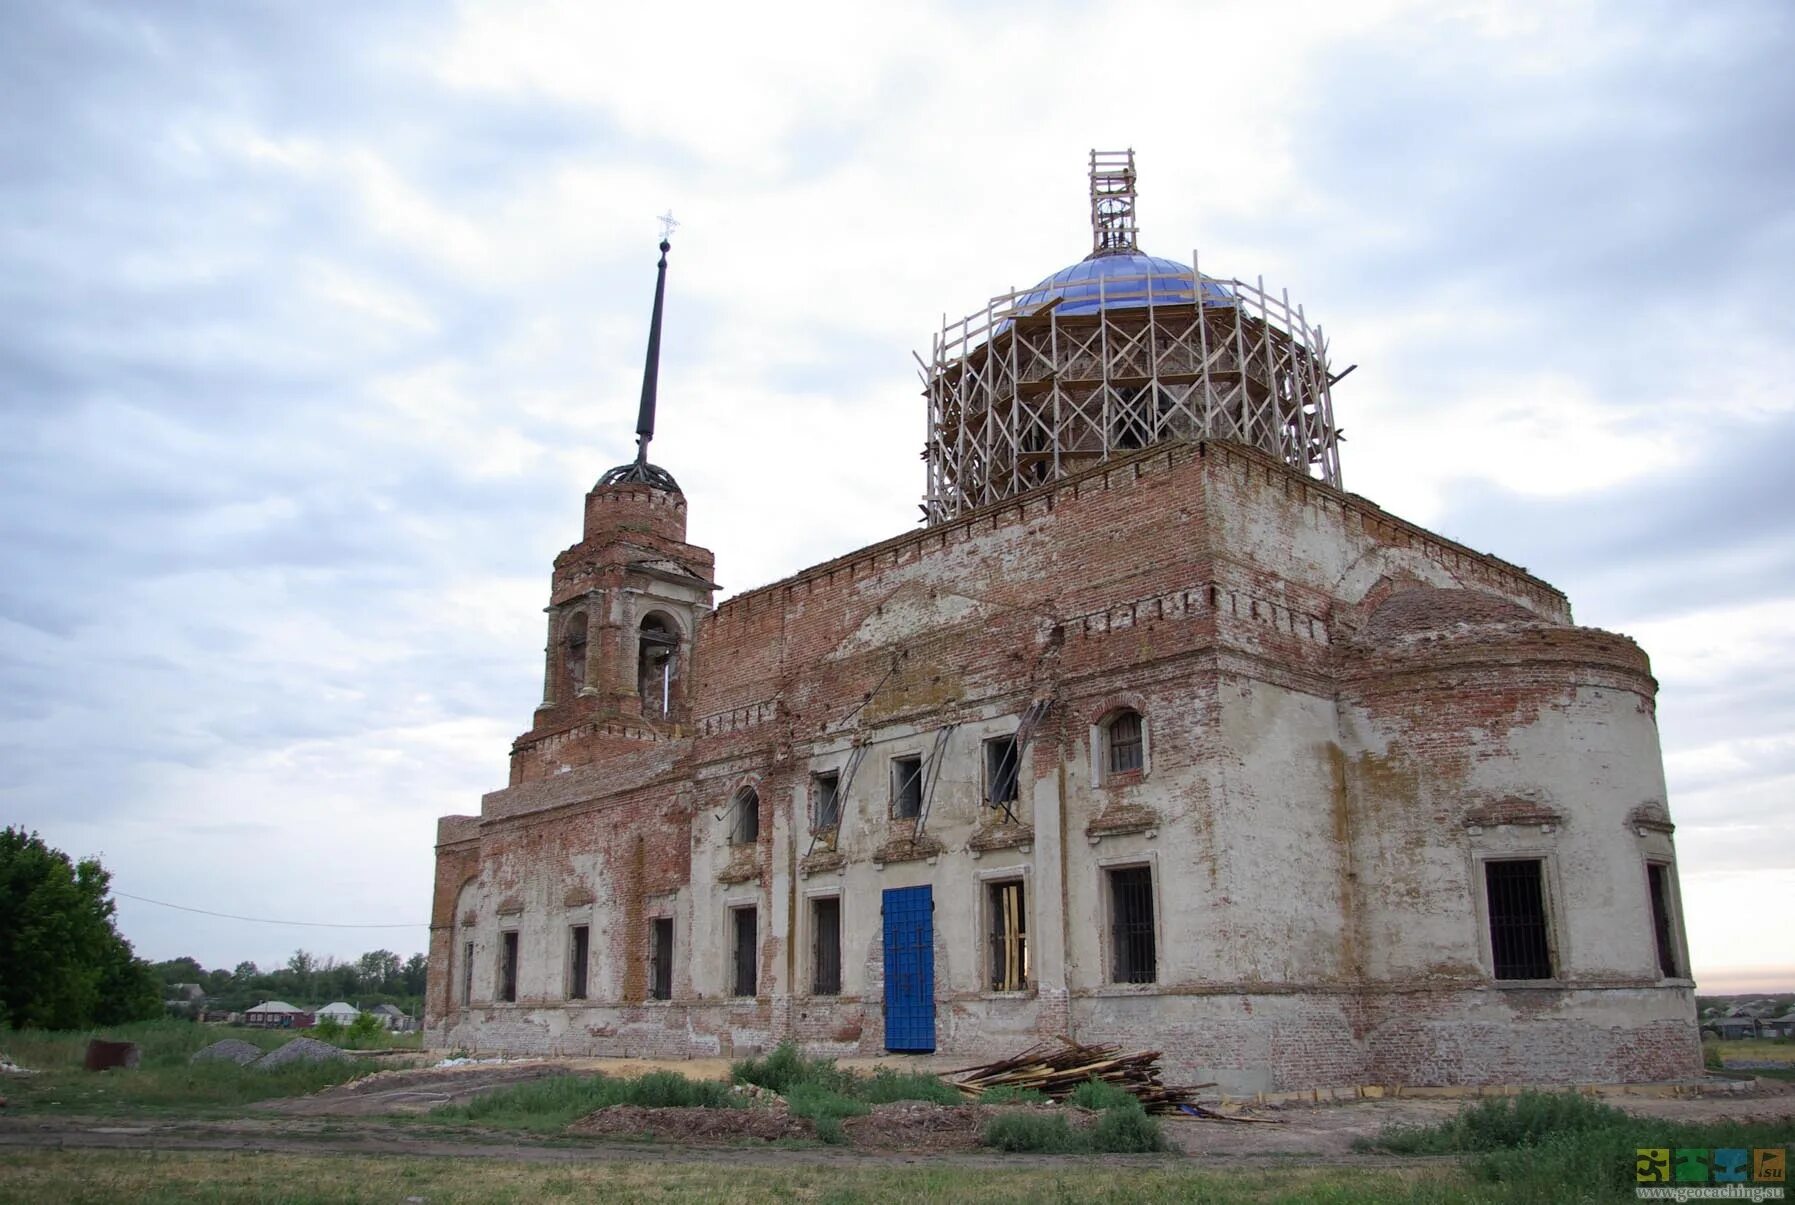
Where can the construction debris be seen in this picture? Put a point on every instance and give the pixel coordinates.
(1056, 1071)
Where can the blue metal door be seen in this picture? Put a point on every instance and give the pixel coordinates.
(910, 969)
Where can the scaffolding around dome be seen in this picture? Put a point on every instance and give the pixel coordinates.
(1022, 393)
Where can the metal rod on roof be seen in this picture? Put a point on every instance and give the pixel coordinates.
(651, 368)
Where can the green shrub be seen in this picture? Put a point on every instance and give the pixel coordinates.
(1034, 1133)
(1711, 1056)
(787, 1067)
(1126, 1129)
(825, 1108)
(1010, 1094)
(367, 1028)
(1503, 1122)
(1095, 1094)
(327, 1030)
(886, 1085)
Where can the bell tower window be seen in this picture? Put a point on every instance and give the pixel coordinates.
(657, 665)
(575, 640)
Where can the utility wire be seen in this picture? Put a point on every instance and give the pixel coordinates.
(262, 920)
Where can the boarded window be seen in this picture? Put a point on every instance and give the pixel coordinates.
(1519, 946)
(1008, 936)
(660, 959)
(825, 927)
(467, 972)
(746, 952)
(1658, 875)
(508, 966)
(825, 801)
(579, 953)
(906, 787)
(1122, 743)
(1000, 770)
(1134, 955)
(744, 826)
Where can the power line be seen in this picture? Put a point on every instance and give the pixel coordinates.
(262, 920)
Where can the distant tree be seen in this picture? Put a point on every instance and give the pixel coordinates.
(416, 972)
(180, 970)
(246, 972)
(380, 971)
(62, 963)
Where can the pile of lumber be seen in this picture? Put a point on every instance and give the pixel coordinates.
(1055, 1068)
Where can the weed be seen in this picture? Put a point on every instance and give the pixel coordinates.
(1035, 1133)
(825, 1108)
(787, 1067)
(1126, 1130)
(886, 1085)
(557, 1101)
(1095, 1094)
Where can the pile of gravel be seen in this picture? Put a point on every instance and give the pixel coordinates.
(300, 1050)
(234, 1049)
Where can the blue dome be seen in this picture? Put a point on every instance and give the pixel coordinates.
(1129, 280)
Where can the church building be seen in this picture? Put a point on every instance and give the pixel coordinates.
(1150, 733)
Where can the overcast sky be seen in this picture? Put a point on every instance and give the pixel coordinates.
(316, 322)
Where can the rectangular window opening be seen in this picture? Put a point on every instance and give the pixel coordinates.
(1009, 936)
(579, 952)
(825, 927)
(467, 973)
(1134, 956)
(1125, 746)
(906, 787)
(1000, 770)
(660, 959)
(1519, 945)
(747, 950)
(1659, 875)
(508, 967)
(825, 801)
(745, 823)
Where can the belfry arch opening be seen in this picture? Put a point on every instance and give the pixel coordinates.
(574, 643)
(657, 665)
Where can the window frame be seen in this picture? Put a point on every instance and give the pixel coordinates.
(992, 887)
(1548, 897)
(739, 818)
(989, 771)
(817, 778)
(1113, 940)
(738, 964)
(818, 963)
(1108, 746)
(659, 969)
(510, 958)
(898, 782)
(579, 961)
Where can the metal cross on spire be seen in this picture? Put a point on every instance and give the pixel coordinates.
(668, 225)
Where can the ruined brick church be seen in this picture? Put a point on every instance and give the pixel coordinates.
(1151, 733)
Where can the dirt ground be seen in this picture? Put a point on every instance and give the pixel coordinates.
(348, 1119)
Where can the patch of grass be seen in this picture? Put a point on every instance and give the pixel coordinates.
(1095, 1094)
(1010, 1094)
(557, 1101)
(788, 1067)
(1127, 1131)
(1563, 1146)
(164, 1081)
(1034, 1133)
(220, 1178)
(886, 1085)
(826, 1108)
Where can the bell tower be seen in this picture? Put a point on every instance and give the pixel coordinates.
(624, 607)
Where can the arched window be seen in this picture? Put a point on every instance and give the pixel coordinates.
(1124, 749)
(744, 818)
(657, 665)
(574, 639)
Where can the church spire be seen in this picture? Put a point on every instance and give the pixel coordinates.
(640, 471)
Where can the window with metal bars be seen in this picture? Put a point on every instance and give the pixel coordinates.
(508, 966)
(1134, 956)
(1008, 936)
(1000, 770)
(746, 955)
(825, 811)
(579, 954)
(906, 787)
(1123, 746)
(660, 959)
(1658, 878)
(1520, 946)
(744, 827)
(825, 957)
(467, 972)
